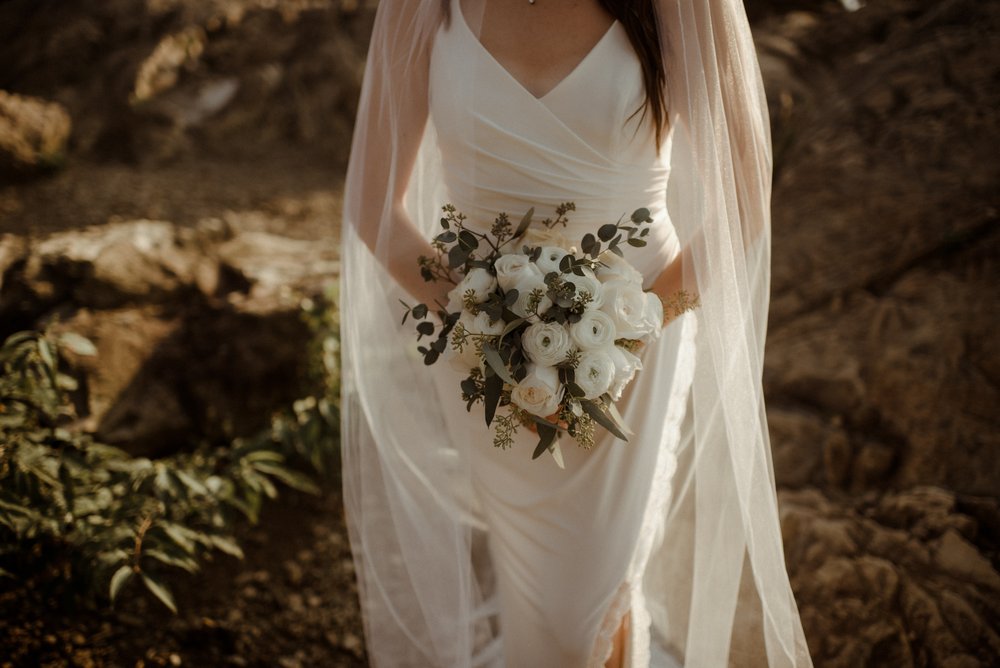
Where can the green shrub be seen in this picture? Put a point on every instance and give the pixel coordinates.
(121, 520)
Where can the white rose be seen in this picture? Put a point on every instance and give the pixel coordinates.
(628, 307)
(515, 268)
(480, 323)
(593, 330)
(524, 289)
(480, 281)
(616, 267)
(546, 343)
(543, 236)
(594, 373)
(626, 364)
(539, 392)
(587, 283)
(550, 258)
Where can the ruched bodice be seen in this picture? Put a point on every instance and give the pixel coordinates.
(503, 149)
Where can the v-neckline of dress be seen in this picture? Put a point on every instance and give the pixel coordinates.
(559, 84)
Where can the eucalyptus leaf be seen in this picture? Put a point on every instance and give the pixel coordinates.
(640, 215)
(595, 411)
(525, 222)
(494, 389)
(607, 232)
(547, 433)
(496, 363)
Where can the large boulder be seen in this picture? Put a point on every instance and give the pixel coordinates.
(198, 330)
(33, 134)
(905, 579)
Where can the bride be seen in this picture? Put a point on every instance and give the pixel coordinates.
(664, 550)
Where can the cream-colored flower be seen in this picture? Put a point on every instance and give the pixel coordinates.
(473, 327)
(515, 268)
(481, 282)
(546, 343)
(615, 267)
(524, 290)
(543, 236)
(539, 392)
(629, 309)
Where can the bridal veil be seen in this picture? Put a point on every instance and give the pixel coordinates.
(716, 585)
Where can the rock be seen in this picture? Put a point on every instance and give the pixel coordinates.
(33, 134)
(153, 297)
(891, 581)
(797, 439)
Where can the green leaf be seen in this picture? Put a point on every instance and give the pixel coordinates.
(547, 433)
(638, 243)
(641, 216)
(45, 350)
(468, 241)
(118, 580)
(512, 325)
(160, 591)
(607, 232)
(180, 535)
(227, 545)
(525, 222)
(178, 559)
(602, 418)
(496, 363)
(80, 345)
(291, 478)
(494, 388)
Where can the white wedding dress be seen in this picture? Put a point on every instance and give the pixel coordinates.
(568, 548)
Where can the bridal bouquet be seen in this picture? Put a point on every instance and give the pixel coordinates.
(545, 331)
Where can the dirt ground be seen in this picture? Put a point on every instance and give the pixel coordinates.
(883, 368)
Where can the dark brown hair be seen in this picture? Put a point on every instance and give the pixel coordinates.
(638, 17)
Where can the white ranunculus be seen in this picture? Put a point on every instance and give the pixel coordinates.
(480, 281)
(628, 307)
(594, 330)
(524, 289)
(539, 392)
(550, 258)
(546, 343)
(515, 268)
(626, 364)
(594, 373)
(616, 267)
(587, 283)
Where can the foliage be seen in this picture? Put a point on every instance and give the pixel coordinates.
(123, 520)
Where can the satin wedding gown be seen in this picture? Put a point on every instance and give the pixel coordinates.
(569, 547)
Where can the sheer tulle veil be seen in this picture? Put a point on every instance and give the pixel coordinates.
(716, 585)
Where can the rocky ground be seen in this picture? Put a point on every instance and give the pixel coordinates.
(205, 142)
